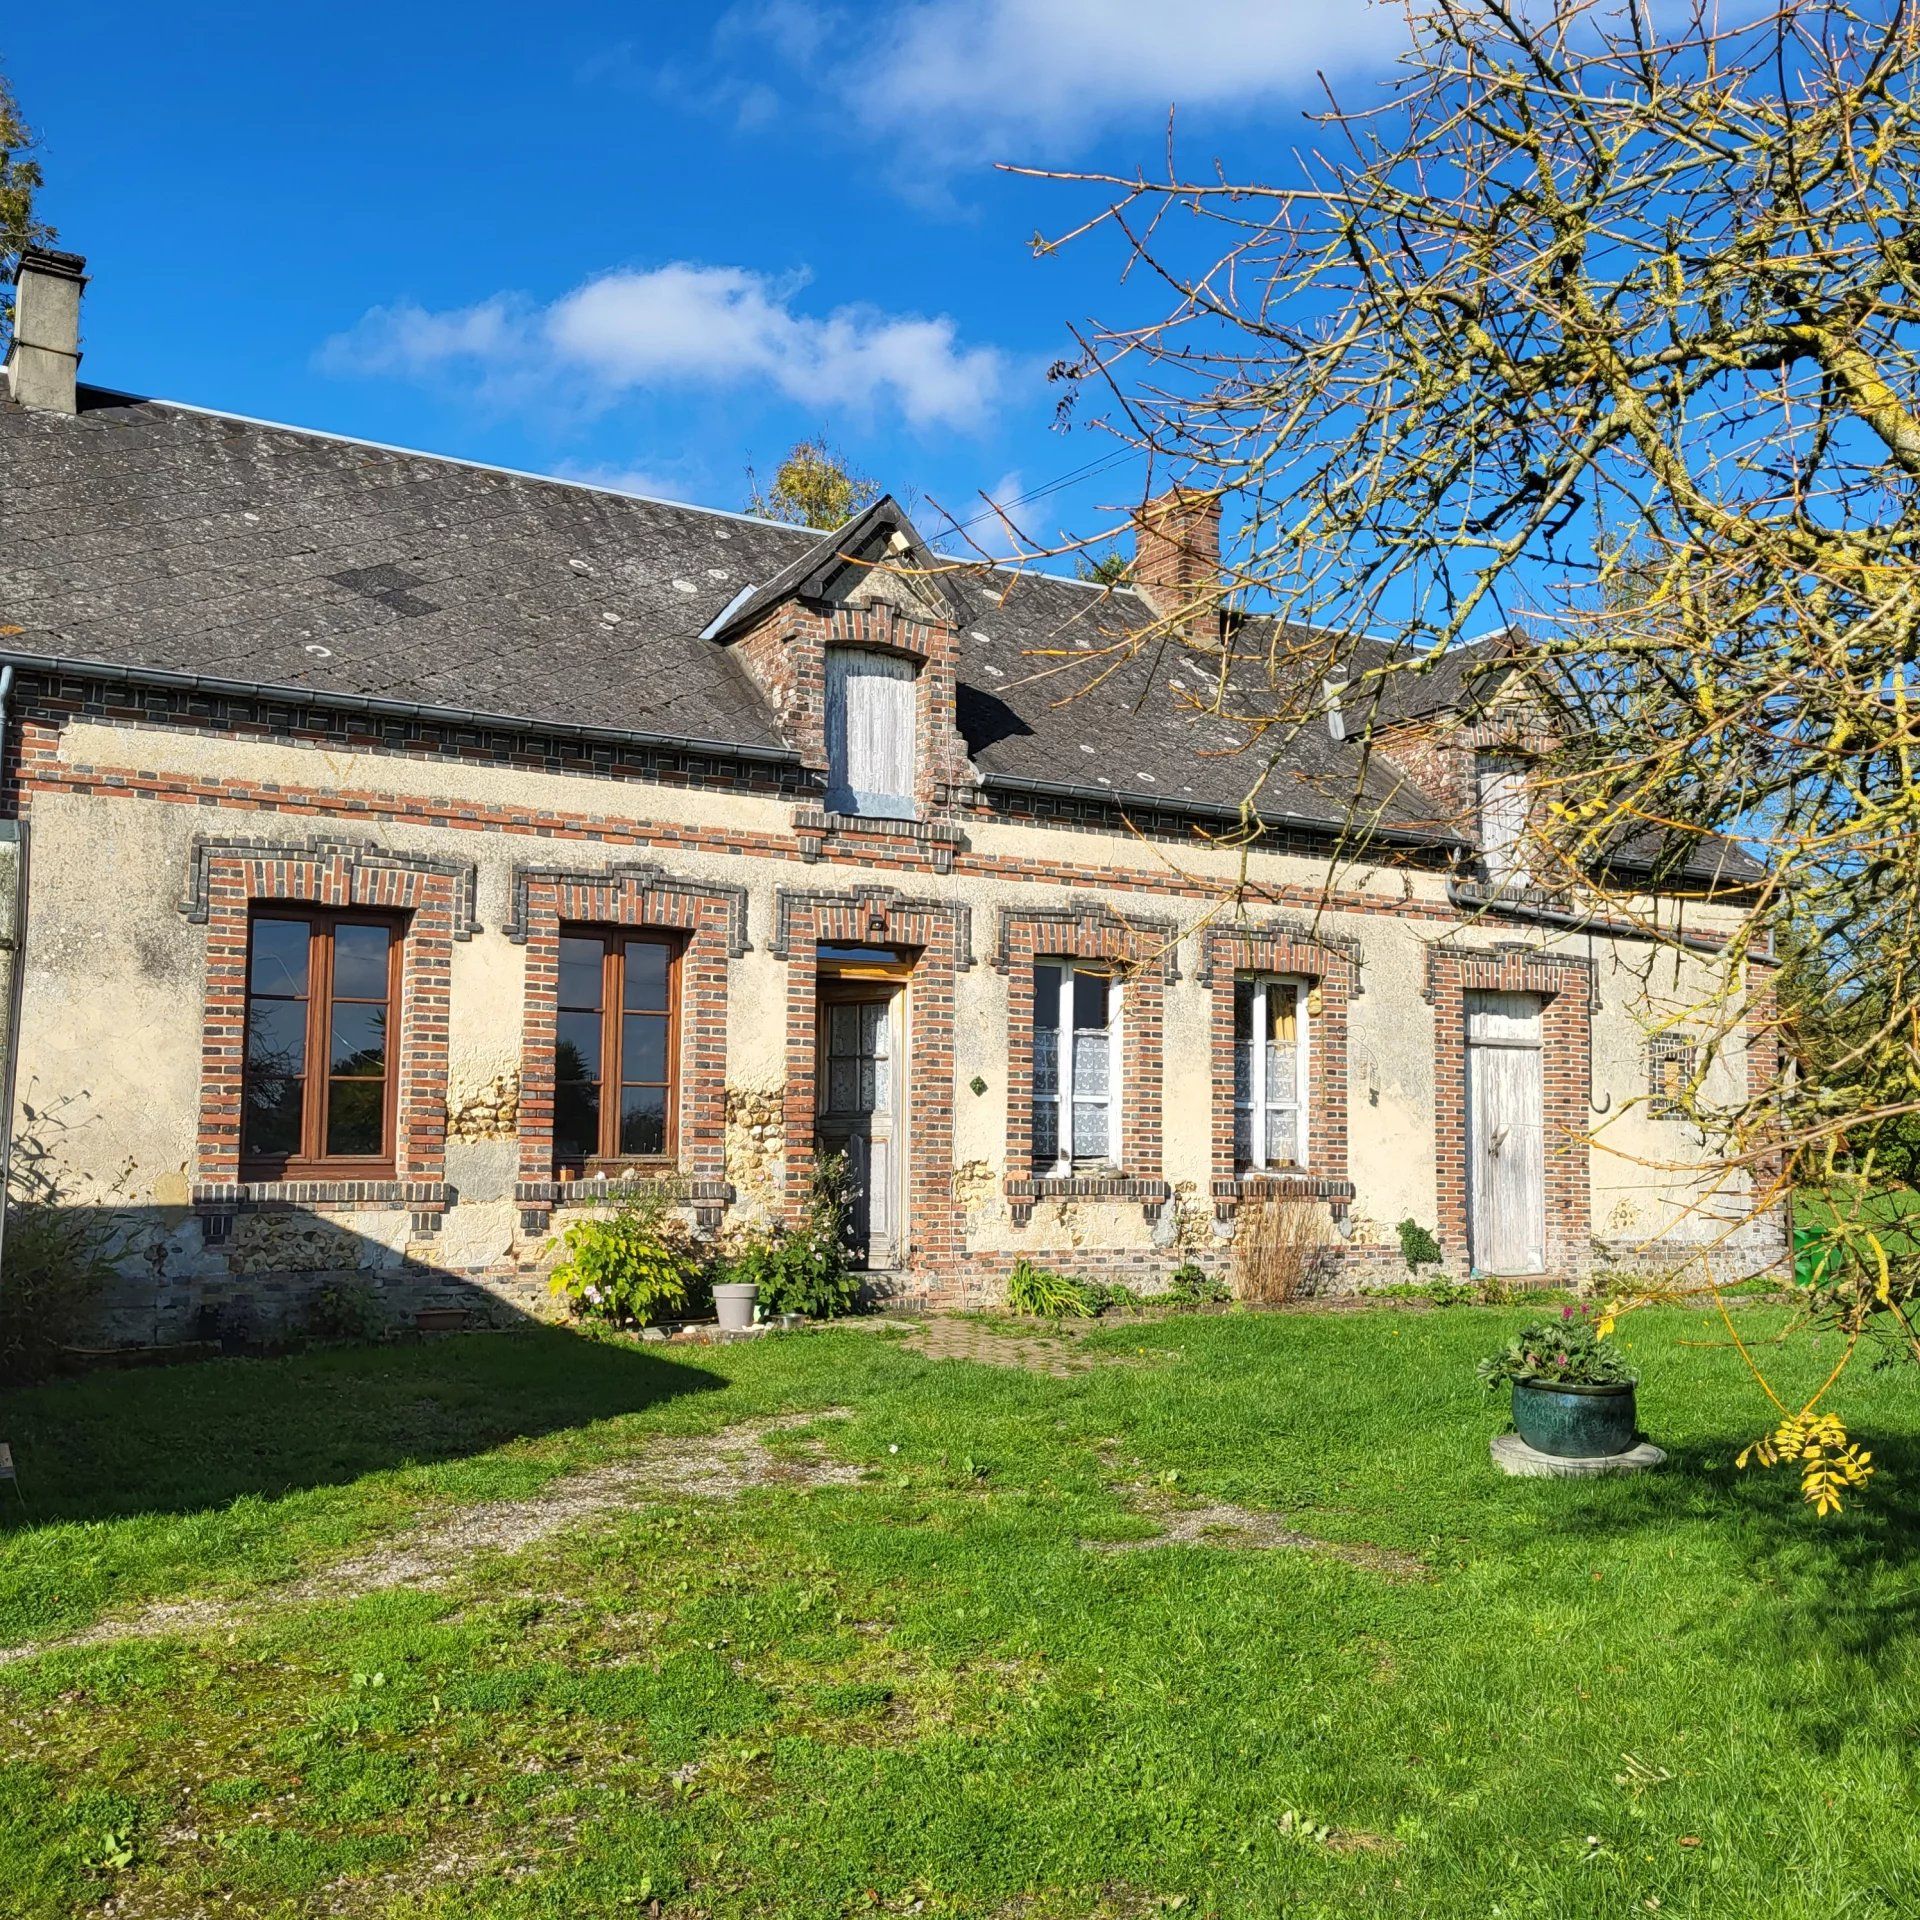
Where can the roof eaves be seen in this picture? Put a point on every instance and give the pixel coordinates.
(119, 672)
(1217, 810)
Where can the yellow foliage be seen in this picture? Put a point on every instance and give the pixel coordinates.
(1830, 1463)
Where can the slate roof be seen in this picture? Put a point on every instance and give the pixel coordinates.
(156, 538)
(143, 535)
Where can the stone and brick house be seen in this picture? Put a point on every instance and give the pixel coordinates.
(422, 853)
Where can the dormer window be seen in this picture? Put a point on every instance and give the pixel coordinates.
(870, 733)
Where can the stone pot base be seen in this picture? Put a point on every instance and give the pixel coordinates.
(1512, 1455)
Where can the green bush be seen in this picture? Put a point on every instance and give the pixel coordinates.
(633, 1267)
(346, 1310)
(1050, 1295)
(1418, 1247)
(1112, 1296)
(803, 1268)
(1191, 1285)
(1571, 1351)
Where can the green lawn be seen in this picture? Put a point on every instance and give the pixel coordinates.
(925, 1693)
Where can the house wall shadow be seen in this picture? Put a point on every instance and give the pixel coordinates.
(279, 1411)
(1842, 1584)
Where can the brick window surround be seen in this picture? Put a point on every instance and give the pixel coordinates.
(1144, 953)
(938, 938)
(1763, 1052)
(1565, 985)
(228, 880)
(710, 924)
(1331, 968)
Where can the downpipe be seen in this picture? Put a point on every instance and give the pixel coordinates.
(15, 948)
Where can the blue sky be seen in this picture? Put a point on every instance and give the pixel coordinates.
(645, 244)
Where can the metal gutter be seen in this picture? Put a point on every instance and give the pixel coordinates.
(1473, 899)
(1213, 810)
(379, 704)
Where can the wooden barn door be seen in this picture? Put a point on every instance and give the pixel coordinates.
(1506, 1158)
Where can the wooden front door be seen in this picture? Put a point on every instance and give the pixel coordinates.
(1506, 1160)
(861, 1104)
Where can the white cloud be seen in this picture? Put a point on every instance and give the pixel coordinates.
(406, 339)
(1030, 79)
(691, 325)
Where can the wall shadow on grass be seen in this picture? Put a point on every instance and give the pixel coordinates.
(1840, 1585)
(197, 1436)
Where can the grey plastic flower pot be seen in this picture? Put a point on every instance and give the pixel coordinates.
(733, 1306)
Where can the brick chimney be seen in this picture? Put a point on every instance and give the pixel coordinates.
(1176, 560)
(43, 363)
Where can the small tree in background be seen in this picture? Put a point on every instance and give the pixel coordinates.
(19, 180)
(814, 486)
(1109, 569)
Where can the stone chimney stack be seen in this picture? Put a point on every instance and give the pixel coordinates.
(43, 363)
(1176, 560)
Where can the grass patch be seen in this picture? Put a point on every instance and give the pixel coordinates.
(923, 1692)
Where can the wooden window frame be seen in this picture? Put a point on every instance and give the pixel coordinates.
(614, 940)
(312, 1161)
(1303, 988)
(1066, 1163)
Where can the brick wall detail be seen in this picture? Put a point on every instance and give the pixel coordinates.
(709, 923)
(1565, 986)
(937, 936)
(226, 880)
(1331, 966)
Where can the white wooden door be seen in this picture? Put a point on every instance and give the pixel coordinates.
(1506, 1149)
(859, 1109)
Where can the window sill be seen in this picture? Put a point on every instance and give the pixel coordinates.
(217, 1202)
(1293, 1183)
(1025, 1195)
(818, 830)
(631, 1181)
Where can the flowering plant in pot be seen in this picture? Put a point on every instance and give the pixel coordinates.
(1573, 1392)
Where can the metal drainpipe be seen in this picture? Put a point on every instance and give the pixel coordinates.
(15, 829)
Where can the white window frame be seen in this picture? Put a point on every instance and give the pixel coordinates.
(1064, 1162)
(1258, 1104)
(842, 666)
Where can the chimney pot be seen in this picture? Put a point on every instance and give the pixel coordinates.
(43, 361)
(1176, 560)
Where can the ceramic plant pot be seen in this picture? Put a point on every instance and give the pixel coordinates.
(733, 1305)
(1574, 1423)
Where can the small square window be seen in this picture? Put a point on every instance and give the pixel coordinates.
(1673, 1065)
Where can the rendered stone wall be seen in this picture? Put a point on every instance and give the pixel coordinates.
(117, 983)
